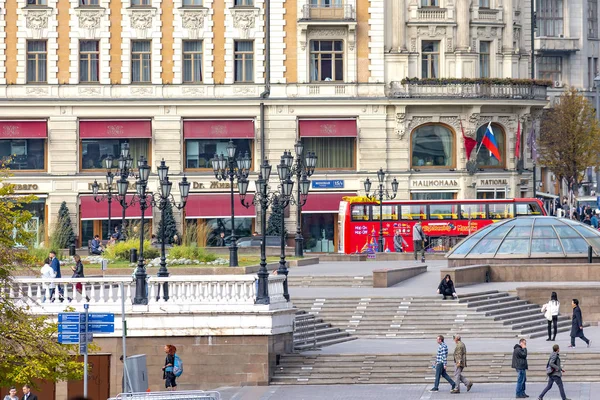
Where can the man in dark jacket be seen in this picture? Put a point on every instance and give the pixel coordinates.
(555, 375)
(577, 325)
(519, 362)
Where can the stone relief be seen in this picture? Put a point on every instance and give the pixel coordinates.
(413, 45)
(317, 33)
(89, 21)
(193, 21)
(508, 122)
(431, 31)
(449, 44)
(37, 91)
(89, 91)
(142, 91)
(414, 122)
(303, 45)
(191, 91)
(454, 122)
(400, 127)
(243, 19)
(249, 90)
(37, 21)
(141, 21)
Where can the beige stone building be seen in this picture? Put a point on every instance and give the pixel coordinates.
(177, 80)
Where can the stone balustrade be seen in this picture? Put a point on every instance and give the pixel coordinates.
(487, 15)
(334, 11)
(432, 14)
(468, 90)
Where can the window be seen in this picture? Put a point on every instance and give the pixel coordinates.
(430, 54)
(326, 60)
(432, 147)
(326, 3)
(36, 2)
(192, 61)
(501, 211)
(243, 3)
(94, 151)
(491, 194)
(333, 152)
(550, 68)
(443, 211)
(140, 61)
(89, 65)
(390, 213)
(430, 3)
(528, 209)
(36, 61)
(472, 211)
(593, 19)
(192, 3)
(244, 61)
(88, 2)
(199, 152)
(135, 3)
(360, 212)
(484, 59)
(484, 3)
(430, 195)
(549, 17)
(413, 212)
(485, 157)
(26, 154)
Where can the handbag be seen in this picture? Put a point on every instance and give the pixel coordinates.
(549, 369)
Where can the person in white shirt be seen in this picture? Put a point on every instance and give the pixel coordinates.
(48, 274)
(550, 310)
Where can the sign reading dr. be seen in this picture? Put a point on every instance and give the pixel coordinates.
(328, 184)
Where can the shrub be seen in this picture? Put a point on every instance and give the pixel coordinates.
(120, 250)
(196, 234)
(63, 234)
(191, 253)
(38, 254)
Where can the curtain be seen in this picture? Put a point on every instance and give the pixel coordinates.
(336, 152)
(432, 146)
(314, 68)
(137, 148)
(446, 139)
(140, 61)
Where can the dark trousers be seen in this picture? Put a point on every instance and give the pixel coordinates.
(581, 336)
(418, 246)
(551, 381)
(439, 372)
(521, 382)
(555, 323)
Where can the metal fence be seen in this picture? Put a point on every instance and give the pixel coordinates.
(305, 331)
(176, 395)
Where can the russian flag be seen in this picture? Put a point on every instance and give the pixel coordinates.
(489, 141)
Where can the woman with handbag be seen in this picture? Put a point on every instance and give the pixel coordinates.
(550, 311)
(554, 372)
(78, 273)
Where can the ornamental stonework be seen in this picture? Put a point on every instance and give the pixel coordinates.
(89, 22)
(193, 21)
(141, 21)
(37, 22)
(244, 20)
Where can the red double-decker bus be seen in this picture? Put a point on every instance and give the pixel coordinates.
(445, 222)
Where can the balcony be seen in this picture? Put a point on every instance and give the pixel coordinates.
(432, 14)
(474, 90)
(556, 45)
(484, 15)
(328, 11)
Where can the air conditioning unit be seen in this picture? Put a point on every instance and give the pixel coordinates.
(558, 84)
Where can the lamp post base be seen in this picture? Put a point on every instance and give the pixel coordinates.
(262, 292)
(163, 273)
(141, 287)
(299, 246)
(233, 255)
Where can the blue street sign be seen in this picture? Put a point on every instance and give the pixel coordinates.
(327, 183)
(83, 348)
(68, 338)
(71, 317)
(101, 318)
(100, 328)
(70, 328)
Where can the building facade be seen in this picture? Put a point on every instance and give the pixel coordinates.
(178, 80)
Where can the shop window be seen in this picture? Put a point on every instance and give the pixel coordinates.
(244, 61)
(491, 194)
(472, 211)
(200, 152)
(501, 210)
(432, 147)
(390, 213)
(243, 228)
(318, 231)
(413, 212)
(26, 154)
(333, 152)
(94, 151)
(326, 60)
(443, 211)
(360, 212)
(485, 159)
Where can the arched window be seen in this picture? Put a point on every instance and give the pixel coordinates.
(485, 157)
(432, 146)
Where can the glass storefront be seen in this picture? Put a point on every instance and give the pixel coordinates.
(37, 223)
(318, 231)
(243, 228)
(94, 151)
(27, 154)
(433, 196)
(92, 227)
(492, 194)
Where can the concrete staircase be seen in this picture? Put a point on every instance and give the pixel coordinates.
(330, 281)
(296, 369)
(312, 333)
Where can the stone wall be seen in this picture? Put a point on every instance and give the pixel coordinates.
(588, 296)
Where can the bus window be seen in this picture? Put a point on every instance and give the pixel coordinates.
(413, 212)
(528, 209)
(501, 210)
(390, 213)
(443, 211)
(360, 212)
(472, 211)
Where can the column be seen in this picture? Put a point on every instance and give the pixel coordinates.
(463, 19)
(507, 37)
(399, 21)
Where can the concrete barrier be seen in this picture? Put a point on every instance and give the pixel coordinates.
(383, 278)
(463, 276)
(587, 294)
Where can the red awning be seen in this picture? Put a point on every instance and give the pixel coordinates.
(216, 129)
(324, 202)
(106, 129)
(218, 206)
(327, 127)
(23, 129)
(89, 209)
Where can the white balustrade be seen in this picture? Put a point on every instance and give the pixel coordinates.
(432, 14)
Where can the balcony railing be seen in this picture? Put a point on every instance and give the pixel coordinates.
(468, 91)
(331, 11)
(488, 15)
(432, 14)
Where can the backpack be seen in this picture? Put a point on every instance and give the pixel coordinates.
(177, 366)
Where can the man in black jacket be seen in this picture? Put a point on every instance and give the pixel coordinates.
(519, 362)
(577, 325)
(27, 395)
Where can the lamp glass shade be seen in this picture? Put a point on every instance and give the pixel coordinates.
(140, 161)
(299, 148)
(144, 171)
(108, 162)
(129, 163)
(165, 188)
(109, 179)
(140, 187)
(289, 159)
(286, 187)
(304, 185)
(282, 170)
(247, 161)
(395, 186)
(122, 186)
(95, 187)
(239, 163)
(367, 186)
(380, 175)
(122, 163)
(265, 170)
(311, 160)
(163, 171)
(125, 150)
(231, 150)
(261, 184)
(184, 188)
(243, 187)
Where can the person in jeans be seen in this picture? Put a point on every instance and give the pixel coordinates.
(441, 361)
(555, 376)
(460, 359)
(519, 362)
(97, 248)
(577, 325)
(550, 311)
(168, 375)
(419, 241)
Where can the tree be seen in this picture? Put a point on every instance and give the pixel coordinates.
(63, 234)
(570, 138)
(275, 219)
(27, 342)
(170, 224)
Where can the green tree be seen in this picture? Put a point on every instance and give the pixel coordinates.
(63, 234)
(570, 138)
(27, 342)
(170, 225)
(275, 219)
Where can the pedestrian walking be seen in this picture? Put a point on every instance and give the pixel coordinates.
(55, 264)
(48, 275)
(554, 372)
(398, 242)
(441, 361)
(519, 362)
(460, 360)
(12, 394)
(419, 241)
(27, 395)
(78, 273)
(446, 287)
(577, 325)
(550, 310)
(168, 375)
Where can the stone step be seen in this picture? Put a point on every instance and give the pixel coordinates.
(532, 316)
(510, 311)
(543, 323)
(511, 302)
(465, 298)
(492, 301)
(328, 342)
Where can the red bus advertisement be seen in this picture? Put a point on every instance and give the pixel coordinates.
(444, 222)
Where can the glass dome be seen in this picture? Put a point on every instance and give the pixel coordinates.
(533, 237)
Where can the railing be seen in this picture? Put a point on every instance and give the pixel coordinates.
(488, 14)
(333, 11)
(305, 331)
(176, 395)
(468, 90)
(432, 14)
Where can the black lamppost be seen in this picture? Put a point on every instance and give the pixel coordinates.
(380, 194)
(286, 198)
(302, 168)
(165, 197)
(231, 169)
(125, 165)
(262, 198)
(108, 196)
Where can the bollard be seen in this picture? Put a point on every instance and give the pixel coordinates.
(133, 255)
(590, 253)
(72, 250)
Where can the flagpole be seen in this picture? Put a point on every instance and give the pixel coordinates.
(479, 148)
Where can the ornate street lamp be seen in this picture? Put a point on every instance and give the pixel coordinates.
(125, 171)
(232, 170)
(108, 196)
(379, 195)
